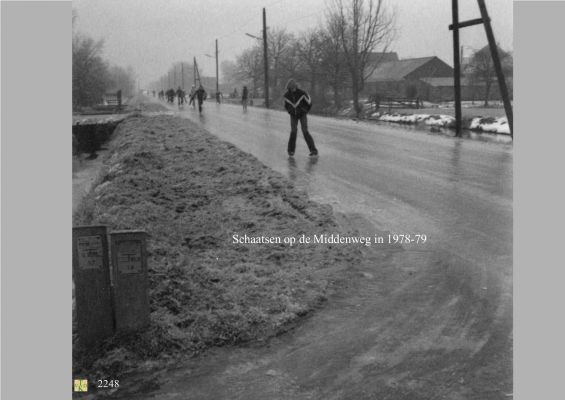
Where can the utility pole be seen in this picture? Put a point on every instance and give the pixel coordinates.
(194, 70)
(217, 76)
(182, 75)
(169, 79)
(497, 66)
(266, 60)
(196, 73)
(456, 66)
(485, 20)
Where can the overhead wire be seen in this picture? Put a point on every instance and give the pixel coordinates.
(246, 23)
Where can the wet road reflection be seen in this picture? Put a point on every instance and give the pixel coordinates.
(457, 191)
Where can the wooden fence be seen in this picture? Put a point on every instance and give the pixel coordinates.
(394, 102)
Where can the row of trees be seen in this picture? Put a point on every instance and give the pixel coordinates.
(327, 58)
(92, 75)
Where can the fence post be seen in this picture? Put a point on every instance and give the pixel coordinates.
(91, 276)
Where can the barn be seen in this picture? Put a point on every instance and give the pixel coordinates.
(410, 78)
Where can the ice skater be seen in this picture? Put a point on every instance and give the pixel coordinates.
(298, 103)
(244, 96)
(191, 96)
(200, 96)
(180, 96)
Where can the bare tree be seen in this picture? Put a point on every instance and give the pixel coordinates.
(291, 63)
(280, 44)
(90, 72)
(229, 71)
(122, 79)
(481, 69)
(250, 67)
(362, 26)
(333, 61)
(311, 54)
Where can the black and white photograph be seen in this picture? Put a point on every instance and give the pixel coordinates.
(285, 199)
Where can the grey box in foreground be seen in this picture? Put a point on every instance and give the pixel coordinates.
(131, 284)
(93, 293)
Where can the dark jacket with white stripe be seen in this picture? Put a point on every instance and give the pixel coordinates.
(297, 103)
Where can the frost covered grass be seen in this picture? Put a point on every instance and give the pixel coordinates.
(191, 192)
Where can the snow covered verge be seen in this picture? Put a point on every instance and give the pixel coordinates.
(432, 120)
(481, 124)
(191, 193)
(495, 125)
(478, 123)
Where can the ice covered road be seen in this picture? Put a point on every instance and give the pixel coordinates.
(458, 192)
(432, 320)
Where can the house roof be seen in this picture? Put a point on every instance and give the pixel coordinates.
(381, 57)
(397, 70)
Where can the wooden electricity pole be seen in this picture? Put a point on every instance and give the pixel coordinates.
(456, 67)
(196, 74)
(455, 26)
(497, 66)
(217, 75)
(266, 59)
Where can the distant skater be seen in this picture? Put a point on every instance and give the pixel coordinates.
(171, 95)
(180, 96)
(191, 96)
(200, 96)
(298, 103)
(244, 96)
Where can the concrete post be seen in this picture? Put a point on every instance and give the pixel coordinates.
(91, 275)
(131, 283)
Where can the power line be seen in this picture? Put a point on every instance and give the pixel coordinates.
(241, 29)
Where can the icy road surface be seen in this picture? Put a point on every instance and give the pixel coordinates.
(458, 192)
(424, 321)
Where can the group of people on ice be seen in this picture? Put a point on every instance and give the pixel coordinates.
(195, 95)
(296, 102)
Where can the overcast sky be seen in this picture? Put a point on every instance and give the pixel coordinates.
(152, 34)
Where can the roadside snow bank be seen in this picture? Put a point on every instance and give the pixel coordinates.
(440, 120)
(481, 124)
(407, 119)
(432, 120)
(495, 125)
